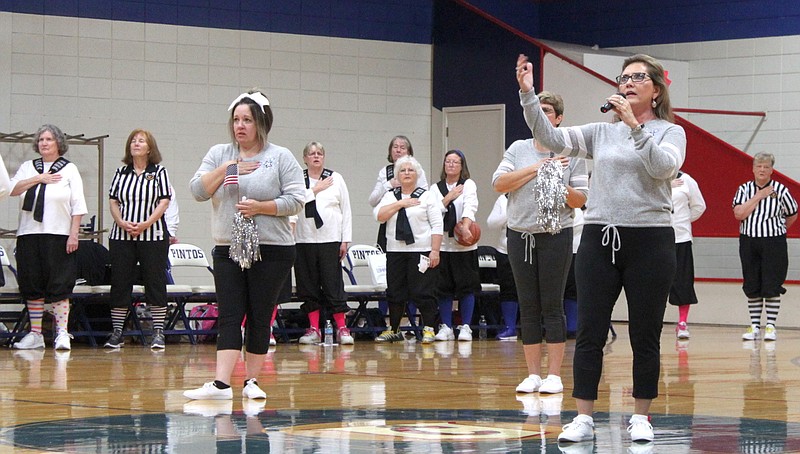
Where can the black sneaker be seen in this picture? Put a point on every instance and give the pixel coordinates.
(158, 342)
(115, 340)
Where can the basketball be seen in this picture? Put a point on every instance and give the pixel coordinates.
(474, 228)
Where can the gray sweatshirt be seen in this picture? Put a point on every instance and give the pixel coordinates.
(523, 210)
(279, 178)
(630, 185)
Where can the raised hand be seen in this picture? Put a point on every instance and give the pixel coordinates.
(524, 73)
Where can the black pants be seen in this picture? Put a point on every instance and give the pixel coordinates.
(253, 292)
(405, 283)
(318, 276)
(152, 258)
(540, 263)
(765, 262)
(644, 266)
(45, 269)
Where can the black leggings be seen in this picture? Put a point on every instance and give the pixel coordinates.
(644, 266)
(252, 292)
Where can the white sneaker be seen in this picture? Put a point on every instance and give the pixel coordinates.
(682, 331)
(345, 338)
(551, 385)
(580, 429)
(252, 391)
(770, 334)
(62, 341)
(640, 428)
(531, 384)
(208, 408)
(311, 337)
(30, 341)
(208, 392)
(465, 333)
(751, 333)
(272, 341)
(445, 333)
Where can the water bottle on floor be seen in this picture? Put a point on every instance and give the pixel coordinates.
(328, 339)
(482, 328)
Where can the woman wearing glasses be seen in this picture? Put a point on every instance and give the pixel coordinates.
(458, 273)
(628, 241)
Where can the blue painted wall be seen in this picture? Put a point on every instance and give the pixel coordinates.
(474, 64)
(383, 20)
(588, 22)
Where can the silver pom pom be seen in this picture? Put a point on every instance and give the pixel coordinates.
(551, 195)
(244, 242)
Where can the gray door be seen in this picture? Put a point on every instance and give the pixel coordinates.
(478, 131)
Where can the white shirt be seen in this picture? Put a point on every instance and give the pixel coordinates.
(577, 229)
(498, 222)
(687, 206)
(5, 182)
(382, 186)
(466, 206)
(333, 206)
(62, 200)
(425, 220)
(172, 216)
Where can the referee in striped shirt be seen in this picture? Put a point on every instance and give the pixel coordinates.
(139, 193)
(765, 210)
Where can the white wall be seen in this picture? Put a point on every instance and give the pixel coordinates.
(760, 74)
(98, 77)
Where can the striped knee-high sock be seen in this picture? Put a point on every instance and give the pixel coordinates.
(754, 306)
(772, 305)
(118, 315)
(61, 312)
(159, 314)
(35, 313)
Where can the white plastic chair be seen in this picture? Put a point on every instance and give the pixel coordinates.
(190, 256)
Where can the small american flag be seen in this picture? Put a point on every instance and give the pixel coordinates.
(231, 175)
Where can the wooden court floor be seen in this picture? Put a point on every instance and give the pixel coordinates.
(718, 394)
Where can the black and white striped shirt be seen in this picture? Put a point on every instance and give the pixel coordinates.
(138, 196)
(769, 217)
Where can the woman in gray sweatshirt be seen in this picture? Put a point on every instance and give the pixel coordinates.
(628, 241)
(263, 182)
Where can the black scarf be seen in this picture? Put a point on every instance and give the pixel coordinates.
(32, 197)
(450, 220)
(402, 230)
(311, 207)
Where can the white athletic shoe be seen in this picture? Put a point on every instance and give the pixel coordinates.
(252, 391)
(465, 333)
(445, 333)
(209, 392)
(62, 341)
(551, 385)
(30, 341)
(531, 384)
(580, 429)
(640, 428)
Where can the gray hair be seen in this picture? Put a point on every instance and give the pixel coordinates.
(763, 156)
(407, 159)
(60, 138)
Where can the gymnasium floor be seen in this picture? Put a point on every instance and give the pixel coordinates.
(719, 395)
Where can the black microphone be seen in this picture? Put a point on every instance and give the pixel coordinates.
(608, 106)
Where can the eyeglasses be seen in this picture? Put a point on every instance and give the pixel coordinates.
(637, 78)
(452, 163)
